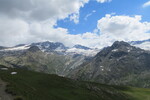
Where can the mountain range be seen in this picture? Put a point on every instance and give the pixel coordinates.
(48, 57)
(54, 47)
(120, 64)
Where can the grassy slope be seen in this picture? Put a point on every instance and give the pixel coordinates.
(38, 86)
(139, 93)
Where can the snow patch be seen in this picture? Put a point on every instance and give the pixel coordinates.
(82, 51)
(129, 50)
(4, 68)
(114, 50)
(13, 73)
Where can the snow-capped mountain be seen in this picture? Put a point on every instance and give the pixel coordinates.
(86, 52)
(60, 48)
(48, 57)
(50, 46)
(57, 47)
(120, 63)
(112, 65)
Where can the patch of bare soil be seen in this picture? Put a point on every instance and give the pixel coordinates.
(3, 94)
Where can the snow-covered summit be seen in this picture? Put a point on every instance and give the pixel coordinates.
(56, 47)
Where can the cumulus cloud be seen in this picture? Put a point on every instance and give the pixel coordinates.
(13, 31)
(124, 28)
(28, 21)
(102, 1)
(146, 4)
(113, 28)
(40, 9)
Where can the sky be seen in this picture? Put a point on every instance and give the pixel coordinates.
(92, 23)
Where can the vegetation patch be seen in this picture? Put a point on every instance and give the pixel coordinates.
(29, 85)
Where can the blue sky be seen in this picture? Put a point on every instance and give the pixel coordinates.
(119, 7)
(92, 23)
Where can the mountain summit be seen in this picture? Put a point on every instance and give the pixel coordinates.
(118, 44)
(119, 64)
(53, 47)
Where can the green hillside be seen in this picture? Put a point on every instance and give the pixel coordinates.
(29, 85)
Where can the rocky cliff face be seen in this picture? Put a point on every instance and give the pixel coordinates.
(120, 64)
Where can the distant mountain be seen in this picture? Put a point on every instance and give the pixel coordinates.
(54, 47)
(139, 42)
(47, 57)
(1, 47)
(145, 44)
(120, 64)
(50, 46)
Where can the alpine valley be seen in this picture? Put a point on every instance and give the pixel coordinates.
(74, 50)
(118, 66)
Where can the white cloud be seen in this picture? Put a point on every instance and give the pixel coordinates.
(109, 29)
(75, 18)
(123, 28)
(112, 28)
(102, 1)
(13, 31)
(28, 21)
(87, 39)
(90, 14)
(40, 9)
(146, 4)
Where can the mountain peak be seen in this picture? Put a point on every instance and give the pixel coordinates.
(1, 47)
(118, 44)
(33, 49)
(119, 64)
(118, 47)
(49, 46)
